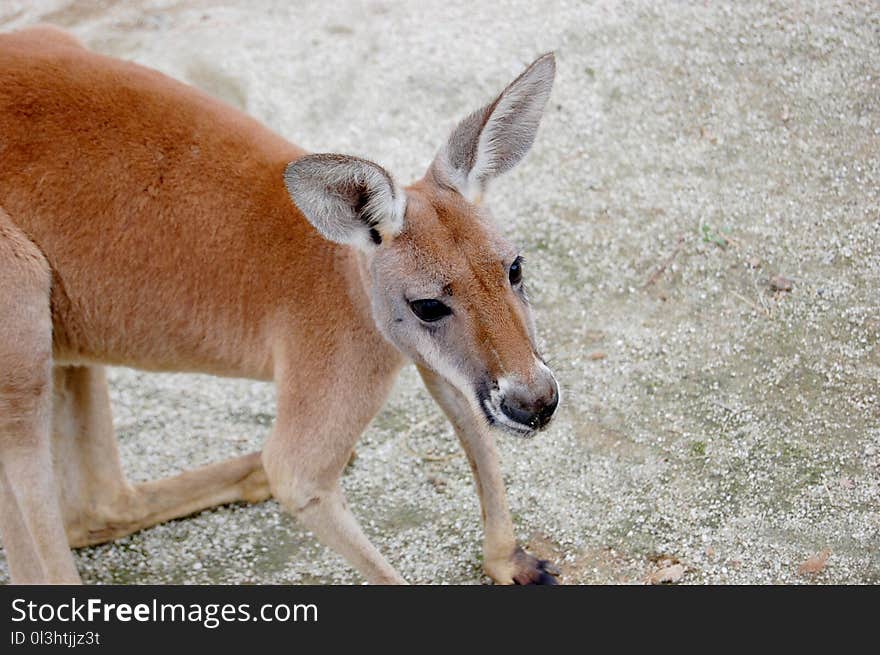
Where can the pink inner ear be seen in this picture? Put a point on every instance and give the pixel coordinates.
(493, 139)
(347, 199)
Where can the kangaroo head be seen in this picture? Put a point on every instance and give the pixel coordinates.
(446, 287)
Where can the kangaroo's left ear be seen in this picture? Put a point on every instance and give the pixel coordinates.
(348, 200)
(492, 140)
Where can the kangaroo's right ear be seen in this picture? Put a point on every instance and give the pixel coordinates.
(492, 140)
(349, 200)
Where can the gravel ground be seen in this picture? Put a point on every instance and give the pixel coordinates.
(691, 153)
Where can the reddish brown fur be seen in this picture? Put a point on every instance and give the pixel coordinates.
(72, 189)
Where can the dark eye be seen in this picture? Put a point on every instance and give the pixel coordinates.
(429, 310)
(515, 273)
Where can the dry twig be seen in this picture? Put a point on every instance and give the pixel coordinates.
(666, 263)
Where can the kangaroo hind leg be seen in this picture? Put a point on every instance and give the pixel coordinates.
(99, 503)
(30, 514)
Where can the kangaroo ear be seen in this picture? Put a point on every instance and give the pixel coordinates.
(349, 200)
(492, 140)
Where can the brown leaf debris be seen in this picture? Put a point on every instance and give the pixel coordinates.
(815, 564)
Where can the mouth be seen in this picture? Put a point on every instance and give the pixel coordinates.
(490, 404)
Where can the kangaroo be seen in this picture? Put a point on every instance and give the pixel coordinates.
(146, 224)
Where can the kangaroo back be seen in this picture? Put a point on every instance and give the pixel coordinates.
(122, 175)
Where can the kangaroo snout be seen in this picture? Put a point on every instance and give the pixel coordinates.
(523, 408)
(530, 410)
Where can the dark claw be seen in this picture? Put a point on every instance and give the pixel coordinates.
(546, 579)
(542, 573)
(538, 578)
(549, 567)
(530, 570)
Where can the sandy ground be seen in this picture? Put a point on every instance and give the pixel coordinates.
(691, 152)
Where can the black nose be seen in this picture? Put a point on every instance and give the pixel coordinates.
(533, 412)
(546, 412)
